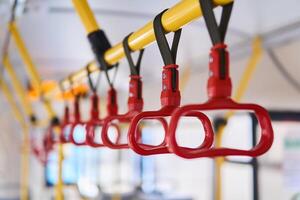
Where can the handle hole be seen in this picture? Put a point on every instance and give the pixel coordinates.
(79, 133)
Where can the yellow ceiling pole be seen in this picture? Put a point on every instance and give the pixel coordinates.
(177, 16)
(24, 178)
(240, 92)
(86, 15)
(35, 78)
(18, 87)
(173, 19)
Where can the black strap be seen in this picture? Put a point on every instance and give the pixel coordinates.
(105, 67)
(93, 86)
(217, 32)
(134, 68)
(100, 44)
(168, 55)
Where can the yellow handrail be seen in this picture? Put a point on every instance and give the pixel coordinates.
(241, 90)
(177, 16)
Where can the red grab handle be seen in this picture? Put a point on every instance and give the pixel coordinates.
(135, 105)
(262, 115)
(163, 148)
(73, 133)
(107, 123)
(91, 129)
(65, 127)
(96, 122)
(170, 100)
(76, 123)
(112, 106)
(38, 152)
(48, 141)
(219, 91)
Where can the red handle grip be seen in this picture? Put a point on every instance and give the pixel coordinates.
(108, 122)
(48, 145)
(262, 115)
(133, 133)
(162, 148)
(90, 129)
(135, 100)
(50, 138)
(39, 154)
(65, 133)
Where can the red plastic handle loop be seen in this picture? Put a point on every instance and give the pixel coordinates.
(39, 153)
(77, 123)
(219, 91)
(91, 128)
(65, 133)
(72, 138)
(262, 115)
(163, 148)
(108, 122)
(49, 140)
(135, 105)
(170, 100)
(95, 121)
(90, 131)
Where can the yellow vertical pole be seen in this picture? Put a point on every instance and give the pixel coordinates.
(25, 162)
(24, 177)
(35, 78)
(11, 100)
(17, 86)
(37, 83)
(59, 195)
(240, 92)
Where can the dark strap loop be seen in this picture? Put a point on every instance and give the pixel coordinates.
(168, 54)
(134, 68)
(93, 86)
(109, 80)
(217, 32)
(105, 66)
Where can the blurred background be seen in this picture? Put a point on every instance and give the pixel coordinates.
(56, 40)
